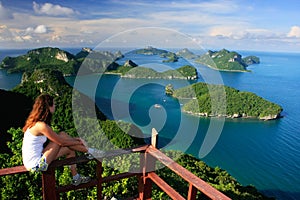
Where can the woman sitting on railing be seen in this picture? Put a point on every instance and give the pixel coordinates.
(37, 130)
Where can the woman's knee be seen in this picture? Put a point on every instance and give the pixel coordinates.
(51, 151)
(69, 153)
(62, 133)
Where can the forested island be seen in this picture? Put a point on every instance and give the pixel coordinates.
(105, 61)
(222, 101)
(128, 71)
(52, 82)
(223, 60)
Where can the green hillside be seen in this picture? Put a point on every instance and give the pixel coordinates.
(46, 57)
(227, 102)
(56, 59)
(184, 72)
(226, 60)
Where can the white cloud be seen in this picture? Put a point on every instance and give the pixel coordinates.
(5, 13)
(27, 37)
(22, 38)
(52, 10)
(242, 31)
(294, 32)
(40, 29)
(29, 30)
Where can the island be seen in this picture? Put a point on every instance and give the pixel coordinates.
(94, 61)
(225, 60)
(171, 57)
(58, 59)
(132, 70)
(227, 102)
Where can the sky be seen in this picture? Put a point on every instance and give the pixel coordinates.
(260, 25)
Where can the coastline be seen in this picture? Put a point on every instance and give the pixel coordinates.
(223, 70)
(234, 116)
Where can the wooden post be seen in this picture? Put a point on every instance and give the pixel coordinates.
(192, 192)
(99, 179)
(145, 183)
(154, 137)
(147, 163)
(48, 185)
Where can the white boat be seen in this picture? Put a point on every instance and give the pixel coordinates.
(157, 106)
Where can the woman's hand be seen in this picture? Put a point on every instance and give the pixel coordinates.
(83, 142)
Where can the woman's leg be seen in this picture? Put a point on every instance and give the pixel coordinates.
(53, 151)
(80, 148)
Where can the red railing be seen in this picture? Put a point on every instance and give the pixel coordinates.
(147, 176)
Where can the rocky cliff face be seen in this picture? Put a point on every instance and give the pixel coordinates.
(270, 117)
(62, 56)
(130, 63)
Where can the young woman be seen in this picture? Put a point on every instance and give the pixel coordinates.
(37, 130)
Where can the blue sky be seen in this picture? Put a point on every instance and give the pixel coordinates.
(262, 25)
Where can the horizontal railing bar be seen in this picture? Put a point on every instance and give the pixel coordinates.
(70, 161)
(93, 182)
(164, 186)
(201, 185)
(83, 159)
(118, 177)
(13, 170)
(66, 188)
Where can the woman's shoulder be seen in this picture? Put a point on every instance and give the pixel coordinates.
(41, 126)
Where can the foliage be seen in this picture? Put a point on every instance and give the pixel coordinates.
(56, 59)
(20, 185)
(184, 72)
(120, 134)
(46, 57)
(169, 90)
(212, 99)
(172, 57)
(226, 60)
(218, 178)
(121, 70)
(249, 60)
(29, 184)
(150, 51)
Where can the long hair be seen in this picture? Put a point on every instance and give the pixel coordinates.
(40, 111)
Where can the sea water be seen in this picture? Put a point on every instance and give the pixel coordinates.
(265, 154)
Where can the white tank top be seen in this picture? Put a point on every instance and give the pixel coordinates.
(32, 148)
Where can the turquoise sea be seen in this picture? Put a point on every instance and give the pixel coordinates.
(265, 154)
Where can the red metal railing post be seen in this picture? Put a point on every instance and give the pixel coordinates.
(48, 185)
(192, 192)
(147, 163)
(99, 179)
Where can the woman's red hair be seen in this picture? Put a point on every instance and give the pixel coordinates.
(40, 111)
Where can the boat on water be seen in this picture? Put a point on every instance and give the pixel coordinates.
(157, 106)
